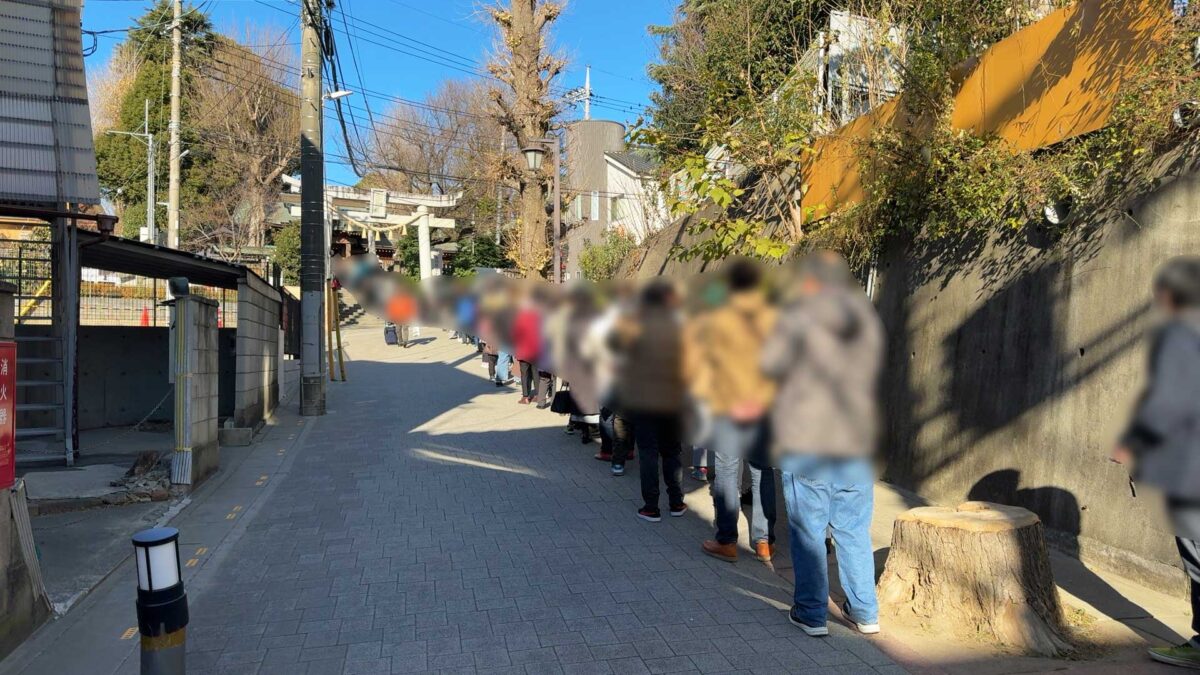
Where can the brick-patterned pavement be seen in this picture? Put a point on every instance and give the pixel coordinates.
(429, 523)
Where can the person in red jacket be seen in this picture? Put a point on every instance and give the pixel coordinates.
(527, 345)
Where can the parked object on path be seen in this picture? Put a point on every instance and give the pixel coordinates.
(389, 334)
(981, 569)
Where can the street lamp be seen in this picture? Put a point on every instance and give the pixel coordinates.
(162, 609)
(335, 95)
(535, 154)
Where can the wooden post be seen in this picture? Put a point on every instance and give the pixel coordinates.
(978, 570)
(337, 329)
(331, 310)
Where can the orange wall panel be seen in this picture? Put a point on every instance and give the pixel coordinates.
(1046, 83)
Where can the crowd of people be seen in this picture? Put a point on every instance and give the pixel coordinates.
(748, 374)
(752, 372)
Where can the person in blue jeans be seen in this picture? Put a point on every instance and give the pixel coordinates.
(831, 494)
(503, 368)
(737, 444)
(825, 354)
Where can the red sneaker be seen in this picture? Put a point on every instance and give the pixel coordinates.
(649, 514)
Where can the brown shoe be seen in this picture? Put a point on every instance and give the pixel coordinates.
(524, 400)
(726, 552)
(764, 551)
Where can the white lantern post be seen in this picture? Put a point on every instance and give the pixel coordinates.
(162, 609)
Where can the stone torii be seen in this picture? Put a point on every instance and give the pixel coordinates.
(377, 216)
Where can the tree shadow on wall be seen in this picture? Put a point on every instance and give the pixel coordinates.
(1007, 357)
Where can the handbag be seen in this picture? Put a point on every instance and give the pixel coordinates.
(563, 404)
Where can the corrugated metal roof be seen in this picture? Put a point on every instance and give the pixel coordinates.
(46, 151)
(127, 256)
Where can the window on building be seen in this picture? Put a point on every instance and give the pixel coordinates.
(595, 206)
(614, 208)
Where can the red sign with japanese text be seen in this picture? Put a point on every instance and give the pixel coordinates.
(8, 414)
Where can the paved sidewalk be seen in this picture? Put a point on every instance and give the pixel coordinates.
(429, 523)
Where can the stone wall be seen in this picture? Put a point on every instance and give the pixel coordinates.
(256, 388)
(197, 363)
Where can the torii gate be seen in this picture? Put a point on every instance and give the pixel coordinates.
(376, 219)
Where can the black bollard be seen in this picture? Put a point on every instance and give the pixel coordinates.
(162, 609)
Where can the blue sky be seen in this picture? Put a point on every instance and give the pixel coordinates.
(445, 37)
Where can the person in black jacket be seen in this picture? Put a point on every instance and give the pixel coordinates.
(1162, 444)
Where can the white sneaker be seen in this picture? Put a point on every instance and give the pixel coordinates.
(864, 628)
(811, 631)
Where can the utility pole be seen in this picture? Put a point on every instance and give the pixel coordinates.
(151, 192)
(173, 181)
(587, 94)
(313, 249)
(148, 138)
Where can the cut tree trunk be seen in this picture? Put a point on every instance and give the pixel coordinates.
(980, 570)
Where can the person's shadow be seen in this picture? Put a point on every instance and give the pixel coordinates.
(1003, 487)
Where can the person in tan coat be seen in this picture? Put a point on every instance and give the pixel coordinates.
(724, 350)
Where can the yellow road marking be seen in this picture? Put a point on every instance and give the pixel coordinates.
(202, 550)
(192, 562)
(129, 633)
(231, 516)
(263, 477)
(236, 509)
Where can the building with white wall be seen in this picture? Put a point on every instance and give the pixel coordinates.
(636, 205)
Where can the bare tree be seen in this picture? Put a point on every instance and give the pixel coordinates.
(524, 64)
(441, 146)
(107, 87)
(250, 114)
(447, 144)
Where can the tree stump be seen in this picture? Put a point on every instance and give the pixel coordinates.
(980, 570)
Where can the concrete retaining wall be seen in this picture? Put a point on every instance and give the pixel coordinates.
(1013, 365)
(123, 373)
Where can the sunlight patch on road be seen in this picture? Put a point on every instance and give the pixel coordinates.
(465, 461)
(761, 598)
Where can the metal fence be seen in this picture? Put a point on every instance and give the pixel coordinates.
(110, 299)
(26, 264)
